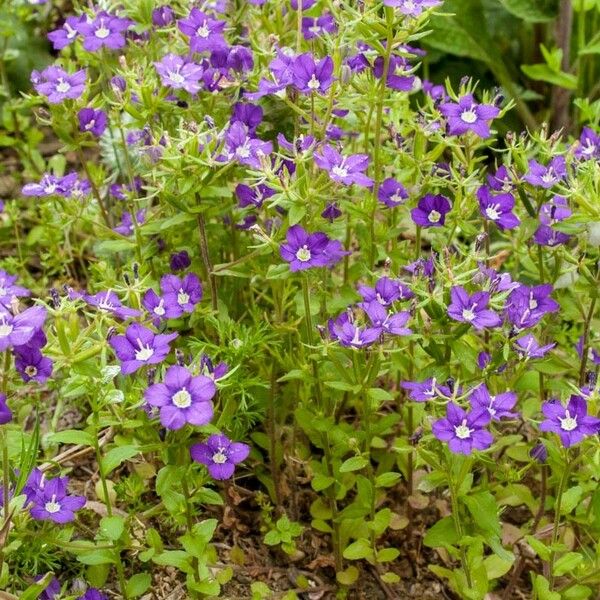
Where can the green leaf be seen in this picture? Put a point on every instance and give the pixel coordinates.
(484, 511)
(441, 534)
(496, 567)
(35, 589)
(387, 479)
(541, 587)
(542, 72)
(174, 558)
(72, 436)
(387, 554)
(97, 557)
(570, 499)
(567, 563)
(358, 550)
(112, 527)
(354, 464)
(272, 538)
(349, 576)
(116, 456)
(138, 584)
(532, 11)
(539, 547)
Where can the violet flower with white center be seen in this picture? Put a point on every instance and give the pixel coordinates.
(305, 250)
(386, 291)
(9, 291)
(94, 121)
(464, 431)
(19, 329)
(162, 16)
(467, 115)
(251, 115)
(66, 34)
(177, 73)
(421, 391)
(155, 305)
(412, 8)
(343, 330)
(421, 267)
(392, 323)
(246, 150)
(571, 423)
(392, 193)
(588, 146)
(472, 309)
(528, 347)
(205, 33)
(58, 85)
(104, 31)
(108, 301)
(31, 364)
(344, 169)
(5, 412)
(310, 76)
(399, 76)
(526, 306)
(140, 346)
(498, 406)
(593, 354)
(431, 211)
(497, 208)
(53, 503)
(282, 75)
(220, 455)
(126, 227)
(555, 211)
(546, 176)
(180, 295)
(501, 180)
(547, 236)
(253, 196)
(182, 398)
(299, 145)
(314, 27)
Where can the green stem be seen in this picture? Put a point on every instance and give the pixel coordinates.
(556, 525)
(212, 278)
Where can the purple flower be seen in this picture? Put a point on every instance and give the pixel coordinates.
(497, 208)
(434, 91)
(9, 292)
(421, 391)
(253, 196)
(310, 76)
(205, 33)
(392, 323)
(571, 423)
(126, 226)
(51, 185)
(220, 455)
(344, 330)
(19, 329)
(245, 149)
(546, 177)
(421, 266)
(526, 305)
(483, 360)
(412, 8)
(319, 26)
(464, 431)
(5, 412)
(392, 193)
(94, 121)
(472, 309)
(281, 76)
(104, 31)
(251, 115)
(467, 115)
(215, 372)
(299, 145)
(539, 453)
(528, 347)
(399, 76)
(306, 4)
(52, 502)
(498, 406)
(305, 250)
(177, 73)
(593, 354)
(555, 211)
(501, 180)
(31, 364)
(52, 590)
(546, 236)
(155, 305)
(93, 594)
(66, 34)
(331, 212)
(108, 301)
(180, 295)
(386, 291)
(162, 16)
(431, 211)
(344, 169)
(140, 346)
(182, 398)
(58, 85)
(589, 145)
(180, 261)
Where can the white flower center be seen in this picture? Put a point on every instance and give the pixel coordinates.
(589, 148)
(409, 4)
(182, 297)
(314, 83)
(144, 353)
(469, 116)
(548, 177)
(53, 506)
(31, 371)
(50, 188)
(2, 292)
(5, 329)
(568, 423)
(468, 314)
(220, 457)
(396, 197)
(182, 398)
(176, 77)
(492, 212)
(434, 216)
(303, 254)
(462, 431)
(532, 303)
(102, 32)
(63, 86)
(340, 171)
(160, 309)
(203, 31)
(243, 151)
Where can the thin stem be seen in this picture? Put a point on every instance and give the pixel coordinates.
(585, 340)
(212, 278)
(272, 429)
(556, 525)
(95, 189)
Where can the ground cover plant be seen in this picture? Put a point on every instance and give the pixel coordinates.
(281, 317)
